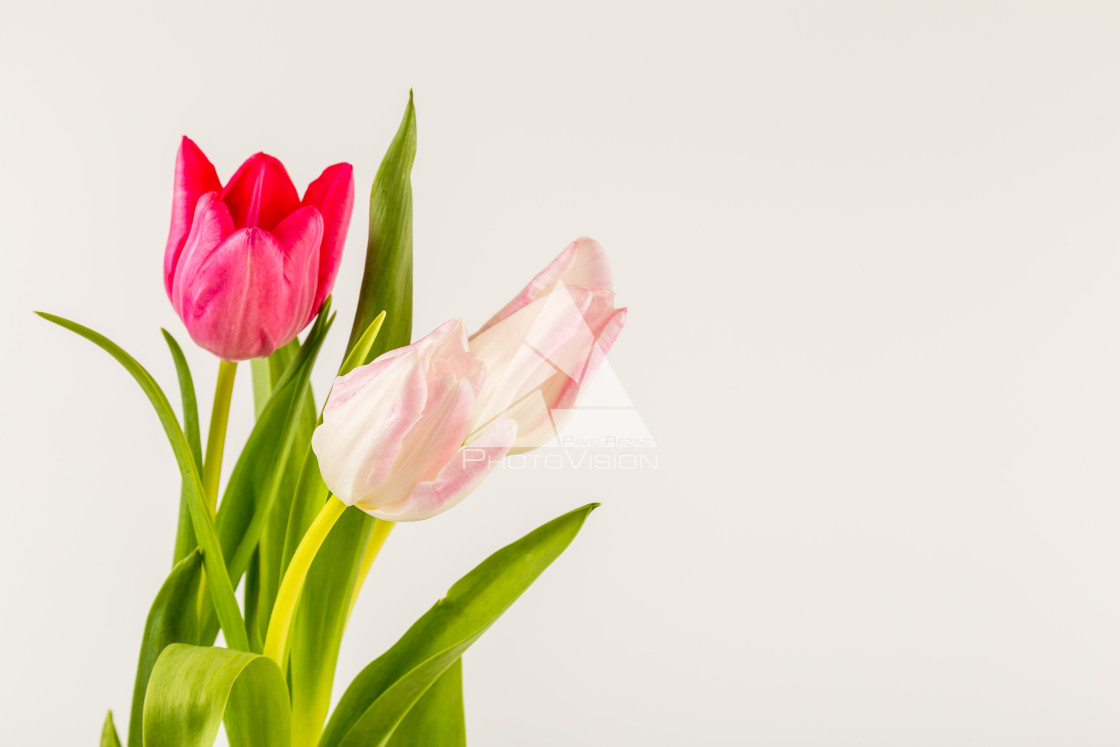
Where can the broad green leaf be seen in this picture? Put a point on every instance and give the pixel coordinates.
(263, 575)
(387, 280)
(184, 533)
(193, 688)
(172, 619)
(109, 736)
(255, 479)
(437, 718)
(221, 590)
(380, 697)
(320, 622)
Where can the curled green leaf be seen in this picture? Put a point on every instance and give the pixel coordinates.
(194, 688)
(172, 619)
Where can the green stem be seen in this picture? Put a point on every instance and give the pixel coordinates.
(377, 537)
(280, 624)
(216, 439)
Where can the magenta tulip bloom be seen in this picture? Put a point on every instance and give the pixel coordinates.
(398, 437)
(248, 265)
(544, 347)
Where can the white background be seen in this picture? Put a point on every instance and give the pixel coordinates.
(872, 255)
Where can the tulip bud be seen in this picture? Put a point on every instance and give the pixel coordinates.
(545, 345)
(248, 265)
(398, 438)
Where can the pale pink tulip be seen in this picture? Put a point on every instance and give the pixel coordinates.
(545, 345)
(248, 265)
(398, 439)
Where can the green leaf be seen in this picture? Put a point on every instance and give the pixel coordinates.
(320, 622)
(184, 533)
(387, 280)
(361, 353)
(437, 718)
(261, 369)
(255, 479)
(109, 736)
(263, 576)
(221, 590)
(194, 687)
(172, 619)
(380, 697)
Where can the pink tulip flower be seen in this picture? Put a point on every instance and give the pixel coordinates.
(248, 265)
(398, 437)
(546, 344)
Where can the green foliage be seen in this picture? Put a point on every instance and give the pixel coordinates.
(193, 688)
(172, 619)
(362, 352)
(437, 718)
(184, 534)
(221, 590)
(387, 279)
(255, 481)
(109, 736)
(380, 697)
(264, 573)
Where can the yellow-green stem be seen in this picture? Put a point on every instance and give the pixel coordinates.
(377, 537)
(280, 624)
(216, 439)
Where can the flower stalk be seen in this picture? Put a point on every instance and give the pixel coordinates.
(216, 438)
(378, 534)
(287, 597)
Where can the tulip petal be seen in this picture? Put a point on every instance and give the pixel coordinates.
(299, 236)
(194, 177)
(547, 338)
(210, 226)
(583, 264)
(605, 340)
(462, 474)
(261, 193)
(230, 302)
(333, 194)
(431, 444)
(247, 296)
(561, 392)
(368, 414)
